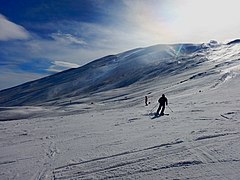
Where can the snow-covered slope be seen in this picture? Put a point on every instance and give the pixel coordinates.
(103, 130)
(107, 73)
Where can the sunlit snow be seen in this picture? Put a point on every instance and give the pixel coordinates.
(92, 123)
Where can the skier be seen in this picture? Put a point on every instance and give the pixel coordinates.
(146, 100)
(162, 101)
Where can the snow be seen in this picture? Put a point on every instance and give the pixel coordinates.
(110, 135)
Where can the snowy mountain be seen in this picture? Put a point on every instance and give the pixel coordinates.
(92, 122)
(115, 71)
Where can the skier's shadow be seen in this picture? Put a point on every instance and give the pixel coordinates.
(149, 114)
(153, 115)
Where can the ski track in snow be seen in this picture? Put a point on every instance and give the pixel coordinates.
(182, 145)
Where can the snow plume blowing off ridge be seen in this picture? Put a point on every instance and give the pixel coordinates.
(155, 64)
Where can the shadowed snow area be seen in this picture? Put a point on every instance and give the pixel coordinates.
(92, 123)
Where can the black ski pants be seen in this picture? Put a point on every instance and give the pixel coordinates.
(159, 108)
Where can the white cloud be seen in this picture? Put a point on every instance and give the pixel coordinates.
(48, 49)
(61, 65)
(67, 39)
(11, 31)
(66, 64)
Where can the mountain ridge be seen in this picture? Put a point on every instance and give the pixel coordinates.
(110, 72)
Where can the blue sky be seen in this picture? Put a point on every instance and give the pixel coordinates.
(42, 37)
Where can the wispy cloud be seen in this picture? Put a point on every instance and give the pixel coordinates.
(67, 39)
(61, 65)
(11, 31)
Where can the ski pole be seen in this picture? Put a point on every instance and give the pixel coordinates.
(153, 108)
(169, 108)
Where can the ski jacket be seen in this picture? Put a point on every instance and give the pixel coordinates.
(163, 100)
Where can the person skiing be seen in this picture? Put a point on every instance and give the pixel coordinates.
(162, 101)
(146, 100)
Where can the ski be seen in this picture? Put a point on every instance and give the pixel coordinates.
(158, 116)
